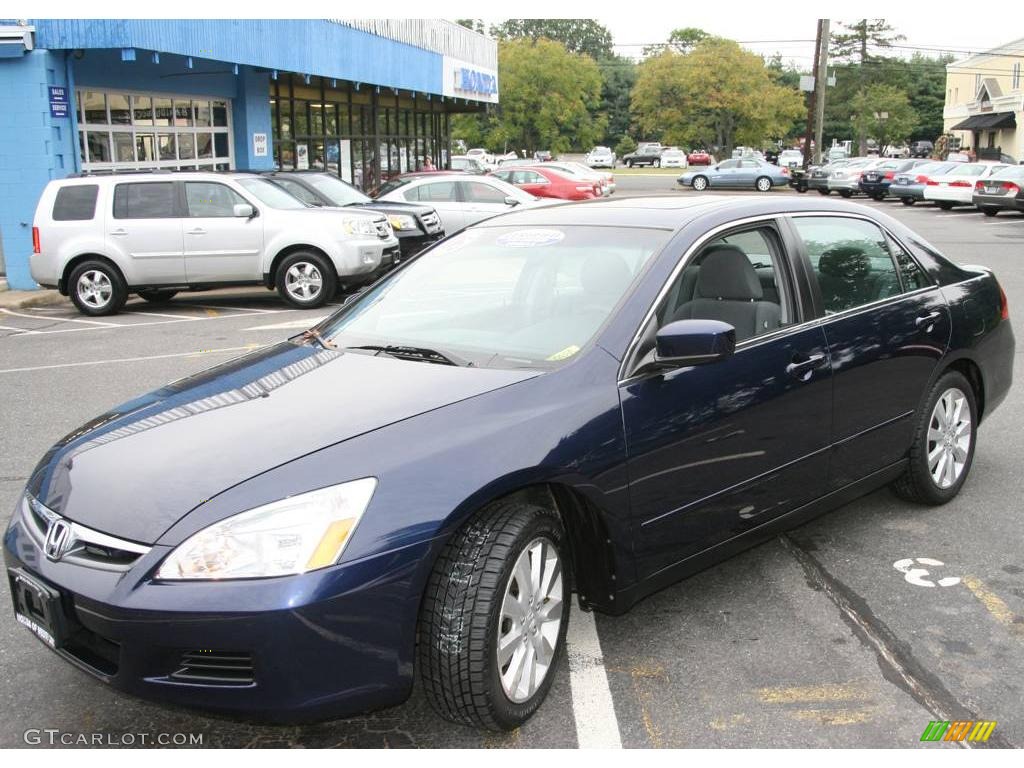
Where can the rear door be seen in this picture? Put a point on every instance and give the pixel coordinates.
(887, 327)
(144, 226)
(219, 246)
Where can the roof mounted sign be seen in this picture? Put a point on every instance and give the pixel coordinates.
(463, 80)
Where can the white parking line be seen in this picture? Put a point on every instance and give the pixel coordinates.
(116, 326)
(247, 310)
(62, 319)
(302, 323)
(20, 330)
(159, 314)
(596, 724)
(197, 353)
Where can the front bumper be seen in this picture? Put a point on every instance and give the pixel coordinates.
(324, 644)
(412, 242)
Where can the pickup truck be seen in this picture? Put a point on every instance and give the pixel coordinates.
(644, 155)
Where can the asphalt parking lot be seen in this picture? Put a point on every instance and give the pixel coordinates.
(813, 639)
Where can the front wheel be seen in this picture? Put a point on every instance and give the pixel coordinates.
(763, 184)
(494, 617)
(824, 192)
(699, 183)
(656, 163)
(97, 288)
(846, 194)
(943, 447)
(305, 279)
(629, 163)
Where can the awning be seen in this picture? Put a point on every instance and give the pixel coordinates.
(987, 121)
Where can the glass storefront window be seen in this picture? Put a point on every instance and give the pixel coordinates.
(144, 147)
(143, 110)
(220, 145)
(204, 144)
(124, 150)
(201, 113)
(95, 107)
(99, 146)
(182, 113)
(119, 111)
(186, 146)
(220, 114)
(301, 126)
(163, 111)
(168, 147)
(316, 119)
(331, 119)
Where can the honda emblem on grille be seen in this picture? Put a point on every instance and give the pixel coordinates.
(58, 539)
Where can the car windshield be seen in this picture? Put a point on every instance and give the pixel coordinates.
(502, 296)
(271, 194)
(391, 186)
(336, 190)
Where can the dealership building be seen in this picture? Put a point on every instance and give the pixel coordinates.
(361, 98)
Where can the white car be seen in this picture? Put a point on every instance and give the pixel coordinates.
(580, 171)
(484, 157)
(791, 158)
(99, 238)
(957, 186)
(467, 164)
(601, 157)
(846, 180)
(459, 200)
(673, 158)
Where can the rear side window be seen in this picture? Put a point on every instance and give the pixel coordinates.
(151, 200)
(75, 203)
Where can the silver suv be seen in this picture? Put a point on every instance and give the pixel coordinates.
(98, 238)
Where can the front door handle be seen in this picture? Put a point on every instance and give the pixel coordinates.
(927, 321)
(196, 231)
(804, 369)
(119, 232)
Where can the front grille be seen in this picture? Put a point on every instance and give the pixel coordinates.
(431, 223)
(85, 546)
(384, 230)
(215, 668)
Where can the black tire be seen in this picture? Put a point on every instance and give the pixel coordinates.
(945, 205)
(461, 616)
(878, 197)
(629, 163)
(762, 181)
(108, 296)
(916, 484)
(907, 200)
(317, 267)
(699, 183)
(157, 296)
(656, 163)
(989, 211)
(823, 192)
(845, 194)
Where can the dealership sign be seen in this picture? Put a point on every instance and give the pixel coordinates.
(58, 101)
(464, 80)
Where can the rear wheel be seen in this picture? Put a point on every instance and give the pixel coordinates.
(945, 205)
(823, 192)
(656, 163)
(847, 194)
(699, 183)
(157, 296)
(989, 211)
(97, 288)
(305, 279)
(907, 200)
(763, 184)
(943, 447)
(494, 617)
(629, 163)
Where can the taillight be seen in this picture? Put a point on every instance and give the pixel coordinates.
(785, 171)
(890, 174)
(1004, 305)
(921, 179)
(931, 183)
(35, 241)
(979, 186)
(1011, 188)
(960, 184)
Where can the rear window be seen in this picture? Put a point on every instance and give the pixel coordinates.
(75, 203)
(151, 200)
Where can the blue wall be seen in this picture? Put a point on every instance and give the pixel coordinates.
(34, 148)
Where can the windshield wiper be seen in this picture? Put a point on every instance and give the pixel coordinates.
(416, 353)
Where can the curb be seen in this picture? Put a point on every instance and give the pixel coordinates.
(25, 299)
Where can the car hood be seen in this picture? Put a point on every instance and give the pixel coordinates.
(136, 470)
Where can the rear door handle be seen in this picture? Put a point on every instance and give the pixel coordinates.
(927, 320)
(803, 369)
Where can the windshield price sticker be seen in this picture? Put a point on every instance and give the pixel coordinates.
(530, 238)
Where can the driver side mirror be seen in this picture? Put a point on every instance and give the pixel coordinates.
(243, 211)
(511, 201)
(693, 342)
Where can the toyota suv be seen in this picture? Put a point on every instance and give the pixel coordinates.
(98, 238)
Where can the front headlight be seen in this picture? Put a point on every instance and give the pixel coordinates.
(402, 222)
(293, 535)
(357, 225)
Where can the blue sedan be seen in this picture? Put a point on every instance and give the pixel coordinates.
(601, 398)
(738, 173)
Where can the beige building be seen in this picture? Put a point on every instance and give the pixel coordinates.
(985, 102)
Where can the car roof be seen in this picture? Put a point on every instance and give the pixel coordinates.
(666, 212)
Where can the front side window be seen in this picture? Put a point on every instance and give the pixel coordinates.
(728, 164)
(75, 203)
(209, 200)
(295, 189)
(503, 296)
(149, 200)
(850, 259)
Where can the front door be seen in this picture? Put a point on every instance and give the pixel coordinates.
(719, 449)
(721, 174)
(219, 246)
(887, 326)
(483, 201)
(144, 228)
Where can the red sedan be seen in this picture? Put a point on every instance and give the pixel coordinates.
(698, 157)
(544, 182)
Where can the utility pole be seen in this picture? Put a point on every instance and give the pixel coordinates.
(820, 86)
(809, 135)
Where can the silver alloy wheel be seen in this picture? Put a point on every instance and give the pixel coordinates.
(949, 438)
(303, 281)
(700, 183)
(95, 289)
(530, 620)
(764, 184)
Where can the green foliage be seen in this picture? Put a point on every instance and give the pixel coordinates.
(577, 35)
(680, 40)
(883, 113)
(717, 95)
(619, 77)
(855, 42)
(625, 146)
(477, 25)
(549, 100)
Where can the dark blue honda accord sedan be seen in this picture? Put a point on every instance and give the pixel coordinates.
(600, 398)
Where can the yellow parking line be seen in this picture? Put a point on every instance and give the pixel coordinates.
(809, 693)
(994, 604)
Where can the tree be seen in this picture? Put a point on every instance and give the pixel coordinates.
(549, 100)
(619, 76)
(477, 25)
(883, 113)
(716, 95)
(680, 40)
(577, 35)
